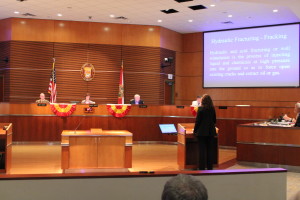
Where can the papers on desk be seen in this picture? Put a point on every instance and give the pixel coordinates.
(275, 124)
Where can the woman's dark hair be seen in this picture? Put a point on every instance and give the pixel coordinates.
(207, 101)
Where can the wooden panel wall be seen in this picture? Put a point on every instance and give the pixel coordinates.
(140, 35)
(5, 30)
(170, 40)
(4, 66)
(189, 82)
(31, 63)
(85, 32)
(30, 70)
(142, 73)
(35, 42)
(32, 29)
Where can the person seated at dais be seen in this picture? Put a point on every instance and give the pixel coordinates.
(137, 100)
(294, 120)
(197, 102)
(42, 99)
(87, 99)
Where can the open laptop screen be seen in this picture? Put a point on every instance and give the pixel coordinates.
(167, 128)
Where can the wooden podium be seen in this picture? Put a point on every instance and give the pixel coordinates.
(96, 149)
(5, 147)
(187, 151)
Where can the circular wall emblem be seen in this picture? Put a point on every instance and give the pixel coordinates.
(87, 72)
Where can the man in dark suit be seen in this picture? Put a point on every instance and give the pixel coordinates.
(137, 100)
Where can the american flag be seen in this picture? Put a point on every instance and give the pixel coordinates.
(121, 87)
(52, 84)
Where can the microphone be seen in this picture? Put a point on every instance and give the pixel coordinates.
(78, 125)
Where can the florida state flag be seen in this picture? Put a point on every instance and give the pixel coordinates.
(121, 87)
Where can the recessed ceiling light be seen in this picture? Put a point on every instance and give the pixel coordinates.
(212, 5)
(17, 12)
(229, 15)
(112, 16)
(159, 20)
(190, 20)
(275, 10)
(59, 14)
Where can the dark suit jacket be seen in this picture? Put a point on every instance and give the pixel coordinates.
(297, 124)
(133, 102)
(205, 122)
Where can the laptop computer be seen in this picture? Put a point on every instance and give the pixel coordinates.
(168, 129)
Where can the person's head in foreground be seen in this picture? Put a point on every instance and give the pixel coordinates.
(184, 187)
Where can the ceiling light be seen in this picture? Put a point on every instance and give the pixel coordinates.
(17, 12)
(190, 20)
(59, 15)
(229, 15)
(112, 16)
(159, 20)
(275, 11)
(212, 5)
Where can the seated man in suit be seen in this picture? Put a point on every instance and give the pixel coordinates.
(87, 99)
(197, 102)
(42, 99)
(137, 100)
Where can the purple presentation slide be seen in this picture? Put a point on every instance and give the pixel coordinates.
(255, 57)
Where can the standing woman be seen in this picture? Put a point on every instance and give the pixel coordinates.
(205, 131)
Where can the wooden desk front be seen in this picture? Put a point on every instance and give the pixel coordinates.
(96, 148)
(38, 123)
(268, 144)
